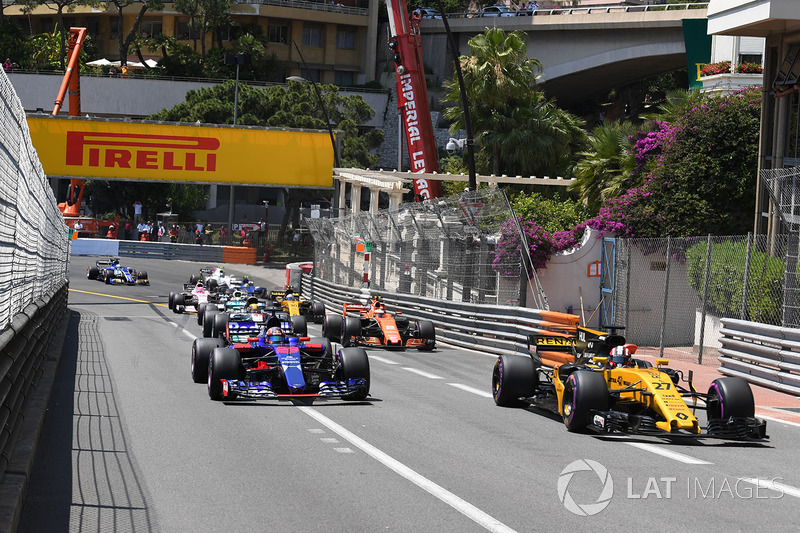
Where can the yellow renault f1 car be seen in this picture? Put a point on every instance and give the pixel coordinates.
(602, 387)
(294, 304)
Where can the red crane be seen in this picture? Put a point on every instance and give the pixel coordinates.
(70, 209)
(412, 97)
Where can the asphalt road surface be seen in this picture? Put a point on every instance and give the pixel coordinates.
(132, 444)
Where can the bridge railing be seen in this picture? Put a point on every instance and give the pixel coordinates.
(586, 10)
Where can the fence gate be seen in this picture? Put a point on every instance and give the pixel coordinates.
(607, 277)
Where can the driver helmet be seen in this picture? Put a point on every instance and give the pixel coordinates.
(253, 307)
(289, 296)
(620, 356)
(379, 312)
(275, 335)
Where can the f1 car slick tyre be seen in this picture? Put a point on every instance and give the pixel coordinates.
(513, 377)
(427, 332)
(353, 364)
(326, 345)
(201, 354)
(208, 322)
(171, 300)
(730, 397)
(332, 327)
(201, 310)
(192, 279)
(220, 325)
(299, 326)
(583, 391)
(92, 272)
(142, 275)
(350, 328)
(318, 312)
(177, 302)
(225, 363)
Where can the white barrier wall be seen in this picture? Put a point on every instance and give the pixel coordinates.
(567, 278)
(34, 241)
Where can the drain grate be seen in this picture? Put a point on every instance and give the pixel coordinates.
(117, 318)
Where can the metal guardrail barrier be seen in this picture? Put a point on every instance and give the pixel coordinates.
(167, 250)
(762, 354)
(490, 328)
(24, 348)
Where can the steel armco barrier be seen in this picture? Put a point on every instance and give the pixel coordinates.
(167, 250)
(24, 349)
(495, 329)
(762, 354)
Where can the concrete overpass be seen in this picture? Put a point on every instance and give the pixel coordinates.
(583, 51)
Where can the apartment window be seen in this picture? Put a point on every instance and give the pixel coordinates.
(346, 39)
(312, 36)
(312, 74)
(183, 31)
(750, 58)
(278, 33)
(150, 28)
(343, 78)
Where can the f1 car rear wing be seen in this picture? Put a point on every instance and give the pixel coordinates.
(106, 262)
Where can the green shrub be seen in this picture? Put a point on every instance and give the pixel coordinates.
(726, 281)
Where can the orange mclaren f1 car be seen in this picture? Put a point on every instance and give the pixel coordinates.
(372, 325)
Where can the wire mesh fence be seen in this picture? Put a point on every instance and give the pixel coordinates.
(460, 248)
(34, 241)
(671, 292)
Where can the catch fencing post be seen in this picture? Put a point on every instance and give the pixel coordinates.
(666, 295)
(705, 301)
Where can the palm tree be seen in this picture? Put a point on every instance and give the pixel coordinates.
(516, 127)
(605, 170)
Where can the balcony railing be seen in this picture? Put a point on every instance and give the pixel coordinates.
(310, 4)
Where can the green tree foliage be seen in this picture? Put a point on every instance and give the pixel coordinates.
(725, 287)
(550, 214)
(16, 45)
(118, 197)
(294, 106)
(59, 6)
(517, 130)
(605, 170)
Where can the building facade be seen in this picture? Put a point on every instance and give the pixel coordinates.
(337, 41)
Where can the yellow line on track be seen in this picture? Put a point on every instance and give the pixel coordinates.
(118, 297)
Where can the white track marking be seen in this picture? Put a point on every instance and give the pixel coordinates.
(382, 360)
(457, 347)
(473, 390)
(689, 460)
(467, 509)
(776, 419)
(316, 430)
(773, 485)
(188, 334)
(422, 373)
(344, 450)
(329, 440)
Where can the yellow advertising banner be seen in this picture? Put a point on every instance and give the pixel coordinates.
(103, 149)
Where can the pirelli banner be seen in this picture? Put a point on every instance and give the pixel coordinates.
(149, 151)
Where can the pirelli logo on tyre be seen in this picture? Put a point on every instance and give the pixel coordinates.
(199, 153)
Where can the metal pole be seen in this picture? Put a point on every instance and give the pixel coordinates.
(705, 302)
(746, 275)
(232, 197)
(666, 295)
(473, 181)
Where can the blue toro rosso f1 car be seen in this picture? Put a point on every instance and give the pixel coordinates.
(280, 366)
(112, 272)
